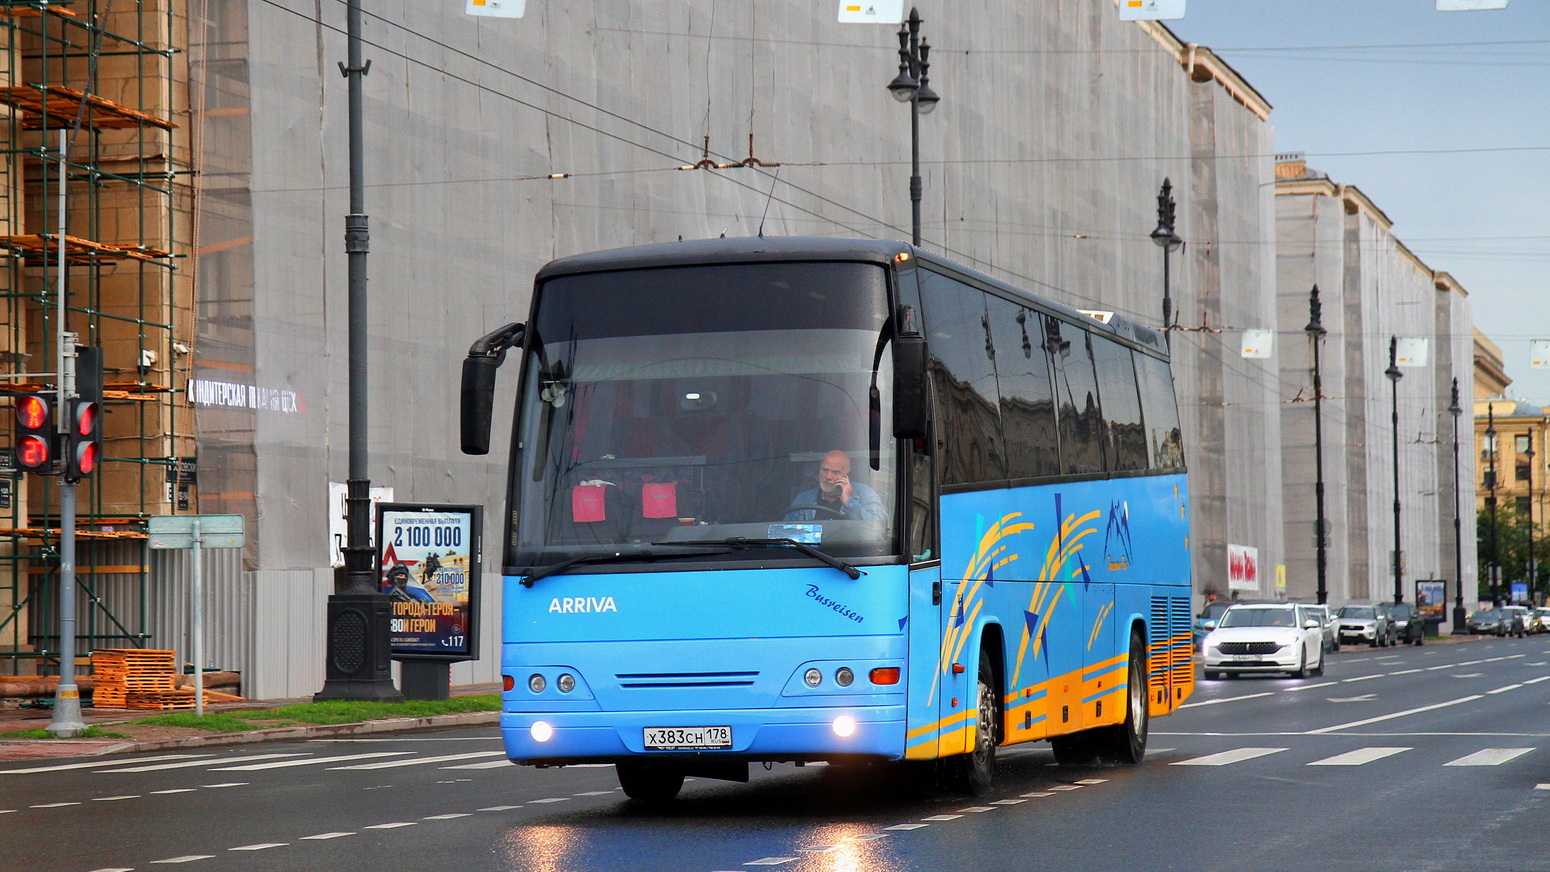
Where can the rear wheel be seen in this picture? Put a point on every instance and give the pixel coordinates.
(1126, 742)
(975, 770)
(649, 781)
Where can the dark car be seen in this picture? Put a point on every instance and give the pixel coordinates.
(1409, 628)
(1488, 622)
(1515, 619)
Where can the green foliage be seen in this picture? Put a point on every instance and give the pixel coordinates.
(345, 711)
(91, 733)
(213, 722)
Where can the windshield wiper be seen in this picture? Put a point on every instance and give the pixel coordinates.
(740, 543)
(589, 559)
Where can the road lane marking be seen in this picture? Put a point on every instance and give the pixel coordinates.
(281, 764)
(448, 817)
(1537, 680)
(942, 817)
(227, 784)
(489, 764)
(392, 826)
(390, 764)
(55, 804)
(1224, 699)
(1390, 717)
(187, 764)
(262, 846)
(1310, 686)
(98, 764)
(327, 836)
(907, 827)
(1490, 757)
(770, 861)
(186, 858)
(116, 798)
(1503, 689)
(500, 808)
(1362, 678)
(174, 790)
(1226, 757)
(1358, 757)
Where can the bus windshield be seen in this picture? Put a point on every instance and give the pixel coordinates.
(703, 404)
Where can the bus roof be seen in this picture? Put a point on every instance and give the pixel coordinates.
(766, 249)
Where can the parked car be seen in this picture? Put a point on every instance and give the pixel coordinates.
(1205, 622)
(1264, 637)
(1515, 618)
(1365, 623)
(1531, 622)
(1408, 626)
(1544, 618)
(1330, 626)
(1487, 622)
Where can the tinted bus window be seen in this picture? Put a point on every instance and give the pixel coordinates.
(963, 371)
(1121, 404)
(1164, 442)
(1081, 427)
(1027, 398)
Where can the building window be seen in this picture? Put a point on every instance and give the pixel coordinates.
(1523, 505)
(1523, 472)
(1521, 442)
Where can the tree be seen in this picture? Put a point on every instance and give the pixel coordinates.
(1512, 551)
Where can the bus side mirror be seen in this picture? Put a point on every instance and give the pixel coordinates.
(911, 390)
(478, 393)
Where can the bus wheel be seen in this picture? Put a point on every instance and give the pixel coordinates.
(649, 781)
(1126, 742)
(975, 770)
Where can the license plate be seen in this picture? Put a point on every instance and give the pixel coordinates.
(687, 738)
(1245, 658)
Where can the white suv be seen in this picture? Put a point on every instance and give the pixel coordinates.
(1265, 637)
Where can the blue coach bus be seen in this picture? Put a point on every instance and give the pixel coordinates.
(804, 500)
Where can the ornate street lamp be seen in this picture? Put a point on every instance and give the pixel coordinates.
(1394, 375)
(1458, 530)
(1169, 242)
(1315, 331)
(1490, 501)
(912, 85)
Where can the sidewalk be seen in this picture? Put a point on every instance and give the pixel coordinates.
(14, 720)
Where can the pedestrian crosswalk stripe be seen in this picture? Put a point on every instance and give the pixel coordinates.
(189, 764)
(310, 761)
(488, 764)
(389, 764)
(1490, 757)
(98, 764)
(1226, 757)
(1358, 757)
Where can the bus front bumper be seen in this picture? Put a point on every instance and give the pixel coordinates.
(765, 734)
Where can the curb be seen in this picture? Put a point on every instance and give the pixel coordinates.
(98, 747)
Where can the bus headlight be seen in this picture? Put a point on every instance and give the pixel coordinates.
(566, 682)
(844, 726)
(844, 676)
(536, 683)
(813, 677)
(541, 731)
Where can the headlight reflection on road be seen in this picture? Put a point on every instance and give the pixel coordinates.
(852, 848)
(542, 848)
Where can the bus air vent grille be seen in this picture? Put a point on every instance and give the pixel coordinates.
(686, 679)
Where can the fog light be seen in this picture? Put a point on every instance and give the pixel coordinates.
(813, 678)
(844, 726)
(536, 683)
(540, 731)
(843, 676)
(566, 683)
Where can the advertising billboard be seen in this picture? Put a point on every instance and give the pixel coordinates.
(429, 568)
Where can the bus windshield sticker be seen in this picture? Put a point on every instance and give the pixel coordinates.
(807, 534)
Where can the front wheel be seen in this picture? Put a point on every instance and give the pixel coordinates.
(973, 772)
(649, 781)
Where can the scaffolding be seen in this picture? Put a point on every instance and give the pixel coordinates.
(94, 185)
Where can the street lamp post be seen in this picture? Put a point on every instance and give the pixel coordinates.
(1315, 331)
(1494, 566)
(1533, 565)
(1169, 242)
(1394, 375)
(1458, 525)
(912, 86)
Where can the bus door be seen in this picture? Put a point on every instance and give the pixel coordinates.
(928, 604)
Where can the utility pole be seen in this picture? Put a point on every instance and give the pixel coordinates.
(358, 662)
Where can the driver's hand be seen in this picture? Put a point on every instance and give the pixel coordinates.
(846, 491)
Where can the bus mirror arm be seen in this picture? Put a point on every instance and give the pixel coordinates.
(485, 357)
(911, 395)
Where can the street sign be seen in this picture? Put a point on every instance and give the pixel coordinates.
(1469, 5)
(1150, 10)
(871, 11)
(177, 531)
(497, 8)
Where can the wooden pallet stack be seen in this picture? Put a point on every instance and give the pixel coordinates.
(137, 678)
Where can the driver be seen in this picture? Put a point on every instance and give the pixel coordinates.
(836, 496)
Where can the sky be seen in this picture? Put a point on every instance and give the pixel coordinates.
(1441, 118)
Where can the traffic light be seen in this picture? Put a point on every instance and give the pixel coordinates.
(35, 433)
(83, 416)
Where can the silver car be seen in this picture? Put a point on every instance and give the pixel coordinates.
(1365, 623)
(1331, 626)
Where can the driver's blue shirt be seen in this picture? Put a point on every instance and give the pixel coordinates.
(864, 505)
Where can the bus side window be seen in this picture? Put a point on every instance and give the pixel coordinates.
(1121, 404)
(967, 419)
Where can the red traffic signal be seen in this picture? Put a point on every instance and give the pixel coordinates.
(83, 438)
(34, 433)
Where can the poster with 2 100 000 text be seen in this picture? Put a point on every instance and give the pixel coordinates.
(429, 559)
